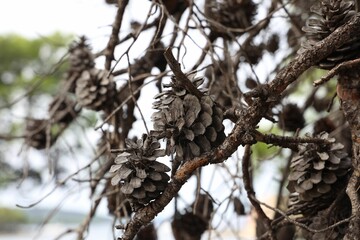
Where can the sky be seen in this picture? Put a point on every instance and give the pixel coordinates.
(42, 17)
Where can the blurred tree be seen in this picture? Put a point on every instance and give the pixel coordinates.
(29, 69)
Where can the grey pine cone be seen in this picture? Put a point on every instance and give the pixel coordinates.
(141, 177)
(191, 126)
(95, 89)
(230, 14)
(81, 58)
(328, 15)
(317, 173)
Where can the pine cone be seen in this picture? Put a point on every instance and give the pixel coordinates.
(37, 135)
(230, 14)
(328, 16)
(118, 204)
(323, 219)
(203, 207)
(147, 232)
(81, 57)
(239, 206)
(190, 125)
(291, 118)
(188, 226)
(317, 173)
(63, 110)
(252, 53)
(175, 6)
(142, 178)
(272, 44)
(95, 89)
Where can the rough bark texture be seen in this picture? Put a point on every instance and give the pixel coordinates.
(349, 92)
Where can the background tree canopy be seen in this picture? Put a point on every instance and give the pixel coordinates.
(199, 106)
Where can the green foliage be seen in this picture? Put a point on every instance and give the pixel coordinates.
(25, 62)
(8, 215)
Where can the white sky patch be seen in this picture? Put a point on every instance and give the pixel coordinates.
(43, 17)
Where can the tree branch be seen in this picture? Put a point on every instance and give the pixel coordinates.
(247, 121)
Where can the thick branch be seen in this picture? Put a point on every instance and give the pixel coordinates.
(114, 38)
(181, 78)
(247, 121)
